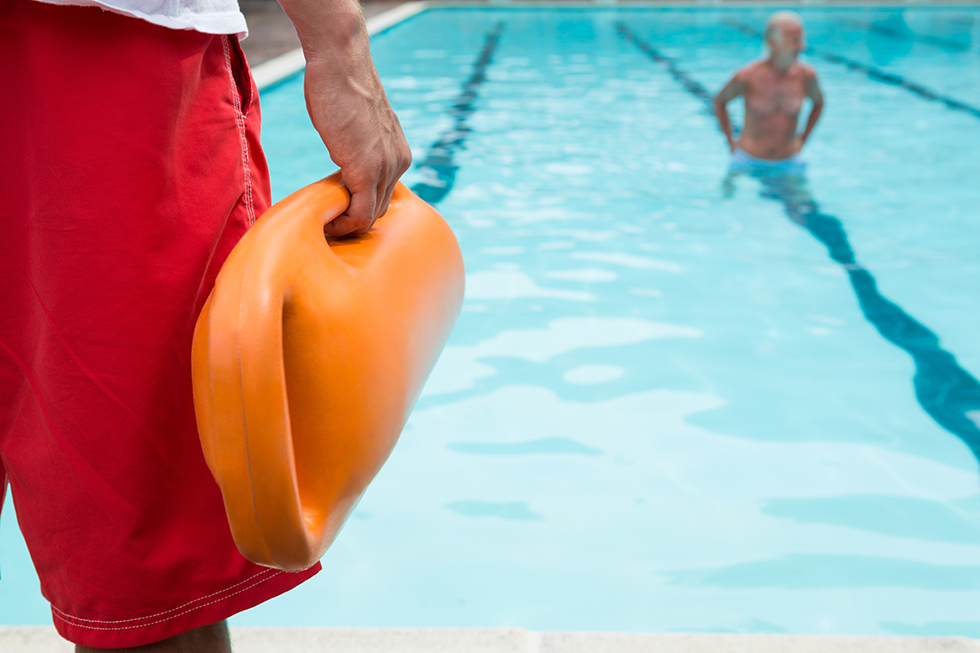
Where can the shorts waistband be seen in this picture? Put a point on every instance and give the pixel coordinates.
(742, 160)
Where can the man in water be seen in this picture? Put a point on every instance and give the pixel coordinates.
(774, 89)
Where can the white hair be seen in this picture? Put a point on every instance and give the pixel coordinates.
(778, 20)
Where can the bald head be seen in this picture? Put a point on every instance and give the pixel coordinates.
(784, 32)
(779, 21)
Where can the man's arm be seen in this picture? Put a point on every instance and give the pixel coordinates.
(734, 88)
(816, 96)
(349, 108)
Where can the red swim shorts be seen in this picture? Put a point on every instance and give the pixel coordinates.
(129, 168)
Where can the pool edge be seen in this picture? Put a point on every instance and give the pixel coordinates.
(44, 639)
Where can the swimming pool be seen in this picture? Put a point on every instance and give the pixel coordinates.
(671, 402)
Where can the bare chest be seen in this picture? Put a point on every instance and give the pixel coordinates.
(771, 94)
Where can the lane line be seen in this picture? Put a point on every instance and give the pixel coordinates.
(876, 74)
(947, 392)
(900, 35)
(438, 168)
(692, 86)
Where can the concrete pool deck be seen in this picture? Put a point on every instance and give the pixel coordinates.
(42, 639)
(271, 34)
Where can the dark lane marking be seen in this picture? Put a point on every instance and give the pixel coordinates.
(438, 168)
(693, 87)
(876, 74)
(902, 35)
(947, 392)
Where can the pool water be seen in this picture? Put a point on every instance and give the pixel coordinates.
(676, 400)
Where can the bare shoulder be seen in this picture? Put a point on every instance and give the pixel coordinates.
(737, 85)
(805, 71)
(748, 72)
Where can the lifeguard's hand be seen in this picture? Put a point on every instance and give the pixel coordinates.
(349, 109)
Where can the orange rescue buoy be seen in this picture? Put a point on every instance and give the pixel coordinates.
(308, 358)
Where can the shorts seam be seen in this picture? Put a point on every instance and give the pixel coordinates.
(240, 121)
(172, 613)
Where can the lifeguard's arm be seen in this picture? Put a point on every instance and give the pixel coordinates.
(349, 108)
(816, 96)
(732, 90)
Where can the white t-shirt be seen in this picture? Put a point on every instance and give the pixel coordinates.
(208, 16)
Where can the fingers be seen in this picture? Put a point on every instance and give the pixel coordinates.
(359, 216)
(369, 198)
(399, 160)
(349, 109)
(385, 191)
(365, 208)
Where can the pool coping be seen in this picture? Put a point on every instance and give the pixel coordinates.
(44, 639)
(281, 68)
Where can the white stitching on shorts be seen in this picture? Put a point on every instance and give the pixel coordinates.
(265, 574)
(240, 119)
(173, 616)
(71, 619)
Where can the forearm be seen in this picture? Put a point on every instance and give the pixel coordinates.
(326, 27)
(335, 44)
(811, 121)
(721, 112)
(348, 107)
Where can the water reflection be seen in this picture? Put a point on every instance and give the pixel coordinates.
(947, 392)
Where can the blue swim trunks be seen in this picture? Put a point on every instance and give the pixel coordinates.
(742, 161)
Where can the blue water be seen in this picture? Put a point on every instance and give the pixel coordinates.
(674, 400)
